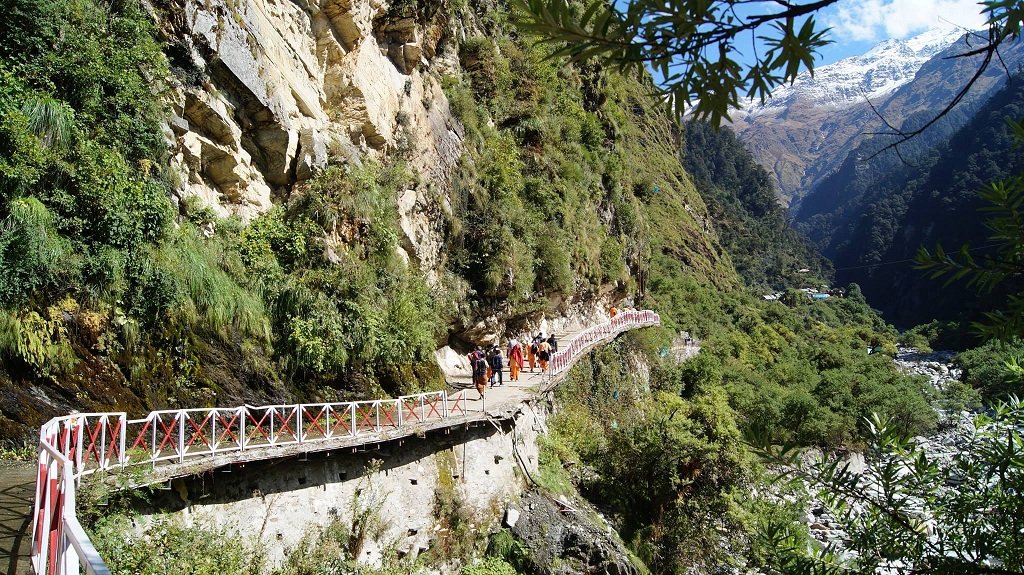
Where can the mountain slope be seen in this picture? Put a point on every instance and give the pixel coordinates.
(891, 208)
(815, 124)
(752, 226)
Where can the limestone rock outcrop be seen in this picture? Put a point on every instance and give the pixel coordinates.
(265, 93)
(562, 538)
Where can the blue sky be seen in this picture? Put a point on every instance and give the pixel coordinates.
(857, 25)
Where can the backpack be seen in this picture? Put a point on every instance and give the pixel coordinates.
(496, 362)
(533, 348)
(480, 366)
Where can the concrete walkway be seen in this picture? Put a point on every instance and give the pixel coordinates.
(463, 408)
(512, 393)
(17, 489)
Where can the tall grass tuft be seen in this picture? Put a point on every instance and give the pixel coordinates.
(212, 297)
(51, 120)
(33, 256)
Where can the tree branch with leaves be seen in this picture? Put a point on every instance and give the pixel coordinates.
(707, 54)
(910, 511)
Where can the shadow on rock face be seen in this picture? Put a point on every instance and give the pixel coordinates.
(563, 538)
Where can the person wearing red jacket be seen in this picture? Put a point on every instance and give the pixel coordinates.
(515, 358)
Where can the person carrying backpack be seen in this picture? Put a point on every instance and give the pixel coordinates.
(534, 348)
(480, 372)
(497, 365)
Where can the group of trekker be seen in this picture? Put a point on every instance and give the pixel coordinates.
(488, 366)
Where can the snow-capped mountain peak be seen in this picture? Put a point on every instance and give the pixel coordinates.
(876, 73)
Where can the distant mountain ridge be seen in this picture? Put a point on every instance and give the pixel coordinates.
(806, 130)
(874, 74)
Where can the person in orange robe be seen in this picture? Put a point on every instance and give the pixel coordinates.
(515, 358)
(532, 352)
(544, 354)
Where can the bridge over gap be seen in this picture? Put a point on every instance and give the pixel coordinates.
(176, 443)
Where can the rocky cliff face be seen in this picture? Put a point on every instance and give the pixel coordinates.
(266, 93)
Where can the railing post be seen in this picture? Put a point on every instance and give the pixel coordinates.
(298, 419)
(76, 441)
(123, 424)
(48, 555)
(352, 408)
(40, 501)
(215, 413)
(376, 415)
(273, 414)
(423, 408)
(444, 404)
(157, 422)
(243, 414)
(181, 435)
(102, 463)
(69, 564)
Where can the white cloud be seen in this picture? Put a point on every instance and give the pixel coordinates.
(872, 20)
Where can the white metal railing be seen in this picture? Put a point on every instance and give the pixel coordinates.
(73, 446)
(586, 339)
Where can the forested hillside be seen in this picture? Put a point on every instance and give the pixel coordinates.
(870, 218)
(751, 224)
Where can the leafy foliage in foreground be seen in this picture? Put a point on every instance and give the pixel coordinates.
(914, 512)
(690, 44)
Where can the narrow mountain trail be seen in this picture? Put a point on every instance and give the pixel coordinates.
(512, 392)
(530, 383)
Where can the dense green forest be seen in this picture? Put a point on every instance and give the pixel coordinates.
(751, 224)
(871, 219)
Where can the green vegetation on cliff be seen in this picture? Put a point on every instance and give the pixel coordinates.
(667, 459)
(569, 181)
(113, 298)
